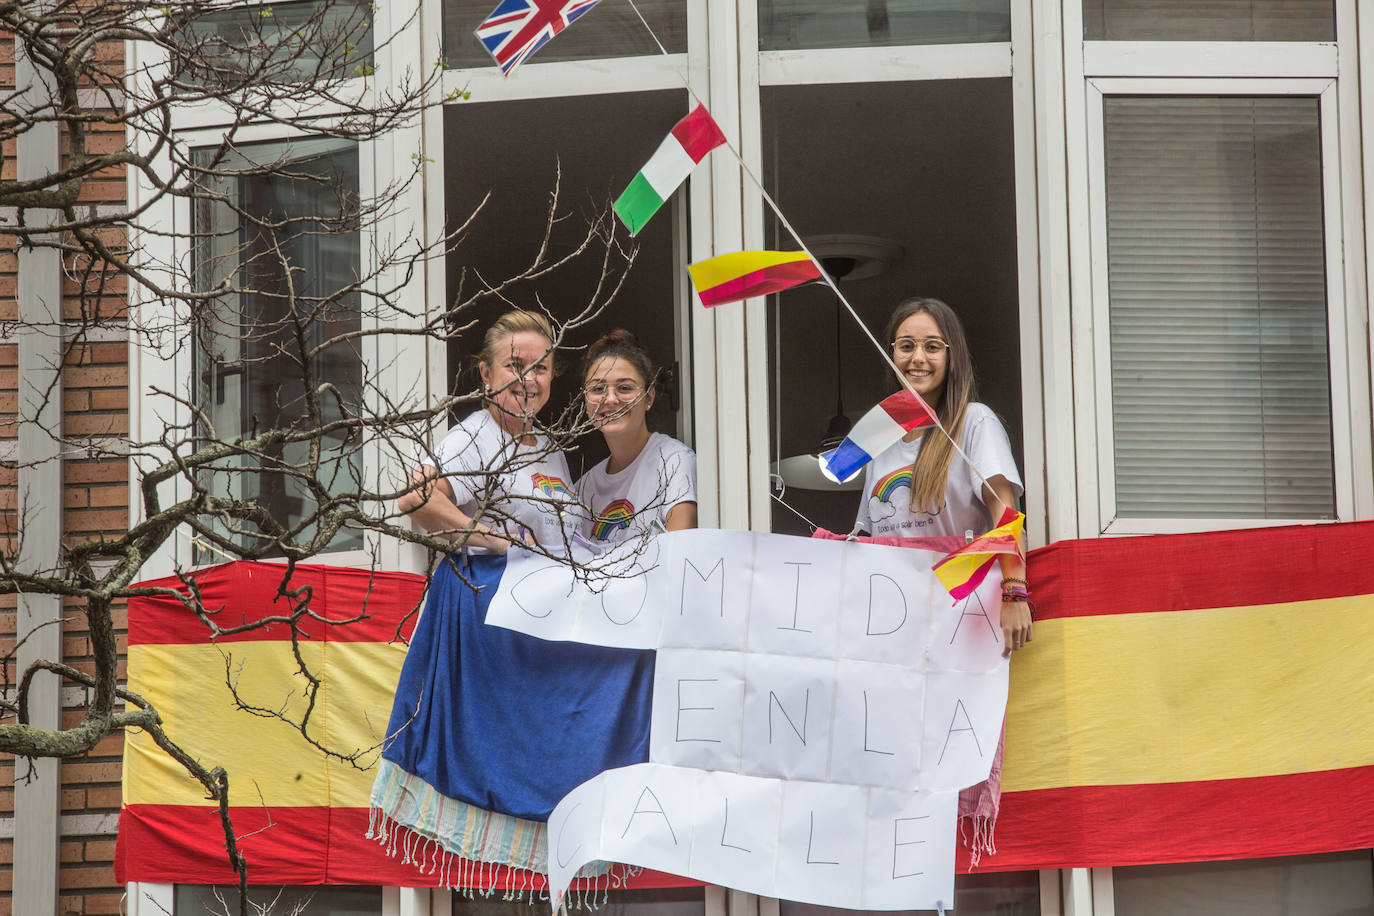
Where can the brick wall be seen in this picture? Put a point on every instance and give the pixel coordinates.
(95, 416)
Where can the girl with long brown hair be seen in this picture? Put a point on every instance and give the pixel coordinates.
(921, 487)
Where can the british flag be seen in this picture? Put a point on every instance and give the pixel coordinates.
(518, 28)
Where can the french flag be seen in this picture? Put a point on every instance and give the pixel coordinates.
(892, 418)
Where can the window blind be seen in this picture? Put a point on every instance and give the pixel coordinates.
(1221, 401)
(1209, 20)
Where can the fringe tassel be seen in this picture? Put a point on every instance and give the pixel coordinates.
(984, 840)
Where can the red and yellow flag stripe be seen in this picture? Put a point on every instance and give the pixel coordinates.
(1193, 697)
(301, 817)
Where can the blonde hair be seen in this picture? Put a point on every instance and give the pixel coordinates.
(513, 322)
(930, 473)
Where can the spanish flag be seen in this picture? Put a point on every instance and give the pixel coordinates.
(301, 817)
(962, 571)
(1193, 697)
(744, 274)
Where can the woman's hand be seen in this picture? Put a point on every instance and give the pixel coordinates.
(1016, 626)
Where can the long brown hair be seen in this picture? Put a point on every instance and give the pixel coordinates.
(930, 473)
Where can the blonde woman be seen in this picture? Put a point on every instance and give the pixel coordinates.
(490, 728)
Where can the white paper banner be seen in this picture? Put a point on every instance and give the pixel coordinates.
(817, 706)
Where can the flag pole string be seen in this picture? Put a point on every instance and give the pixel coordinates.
(825, 275)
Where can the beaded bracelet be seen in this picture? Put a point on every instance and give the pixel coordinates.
(1008, 598)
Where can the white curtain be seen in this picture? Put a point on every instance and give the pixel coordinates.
(1220, 385)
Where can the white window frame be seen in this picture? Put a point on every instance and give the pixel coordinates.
(401, 378)
(1323, 89)
(1065, 62)
(1095, 68)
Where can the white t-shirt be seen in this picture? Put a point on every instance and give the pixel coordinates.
(626, 503)
(885, 508)
(528, 483)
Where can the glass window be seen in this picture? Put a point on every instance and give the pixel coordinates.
(1209, 20)
(1008, 893)
(328, 900)
(611, 29)
(506, 158)
(1329, 885)
(789, 24)
(285, 239)
(945, 211)
(657, 901)
(1221, 402)
(284, 42)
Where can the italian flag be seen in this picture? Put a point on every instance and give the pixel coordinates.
(686, 145)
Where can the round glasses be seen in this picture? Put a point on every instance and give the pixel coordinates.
(930, 346)
(625, 391)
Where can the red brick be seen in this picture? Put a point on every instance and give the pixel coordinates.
(72, 851)
(95, 520)
(83, 772)
(110, 353)
(109, 399)
(115, 495)
(103, 797)
(100, 850)
(79, 876)
(91, 377)
(80, 399)
(110, 746)
(106, 470)
(75, 498)
(104, 904)
(96, 424)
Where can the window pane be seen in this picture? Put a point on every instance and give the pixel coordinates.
(1330, 885)
(1009, 893)
(1216, 271)
(787, 24)
(338, 900)
(511, 155)
(611, 29)
(658, 901)
(945, 143)
(287, 277)
(1209, 20)
(285, 42)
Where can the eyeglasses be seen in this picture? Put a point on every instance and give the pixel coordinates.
(930, 346)
(624, 391)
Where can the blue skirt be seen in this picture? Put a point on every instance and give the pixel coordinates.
(505, 721)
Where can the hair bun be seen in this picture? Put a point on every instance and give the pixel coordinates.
(617, 336)
(622, 344)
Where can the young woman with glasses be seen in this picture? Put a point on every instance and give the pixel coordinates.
(921, 487)
(650, 480)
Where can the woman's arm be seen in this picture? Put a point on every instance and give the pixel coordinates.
(683, 515)
(1016, 615)
(430, 501)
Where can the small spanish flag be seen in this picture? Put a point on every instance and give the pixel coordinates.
(965, 569)
(732, 277)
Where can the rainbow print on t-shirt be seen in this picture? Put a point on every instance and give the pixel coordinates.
(551, 486)
(890, 483)
(615, 516)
